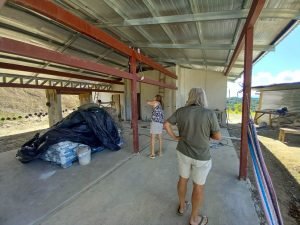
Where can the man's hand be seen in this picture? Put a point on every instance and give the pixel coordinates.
(216, 135)
(170, 131)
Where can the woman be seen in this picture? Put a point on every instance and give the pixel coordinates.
(157, 121)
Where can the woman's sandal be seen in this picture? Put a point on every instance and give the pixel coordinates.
(187, 205)
(203, 221)
(152, 156)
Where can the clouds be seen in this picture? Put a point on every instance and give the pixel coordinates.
(264, 78)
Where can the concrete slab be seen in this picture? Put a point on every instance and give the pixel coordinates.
(119, 188)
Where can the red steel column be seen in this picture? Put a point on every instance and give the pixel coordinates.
(246, 101)
(2, 2)
(134, 106)
(255, 10)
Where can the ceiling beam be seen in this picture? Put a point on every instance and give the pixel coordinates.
(55, 73)
(208, 16)
(199, 29)
(197, 62)
(32, 51)
(66, 89)
(255, 10)
(49, 82)
(146, 80)
(201, 46)
(57, 13)
(117, 8)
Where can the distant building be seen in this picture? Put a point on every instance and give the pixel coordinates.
(275, 97)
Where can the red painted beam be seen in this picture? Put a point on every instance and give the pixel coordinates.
(246, 102)
(2, 3)
(157, 83)
(134, 106)
(32, 51)
(255, 10)
(57, 13)
(66, 89)
(55, 73)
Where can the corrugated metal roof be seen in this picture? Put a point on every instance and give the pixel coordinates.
(274, 87)
(191, 33)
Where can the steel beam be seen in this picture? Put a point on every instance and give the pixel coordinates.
(8, 79)
(32, 51)
(146, 80)
(20, 48)
(53, 11)
(206, 16)
(255, 10)
(134, 105)
(65, 89)
(246, 102)
(2, 3)
(55, 73)
(202, 46)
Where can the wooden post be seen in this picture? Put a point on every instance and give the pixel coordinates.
(85, 98)
(54, 106)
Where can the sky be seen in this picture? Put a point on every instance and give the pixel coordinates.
(279, 66)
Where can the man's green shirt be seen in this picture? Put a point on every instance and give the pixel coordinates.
(195, 125)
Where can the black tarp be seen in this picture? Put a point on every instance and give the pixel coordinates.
(91, 126)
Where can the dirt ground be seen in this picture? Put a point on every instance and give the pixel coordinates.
(283, 163)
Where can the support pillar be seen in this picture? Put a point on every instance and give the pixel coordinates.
(2, 2)
(246, 102)
(85, 98)
(134, 106)
(54, 106)
(127, 97)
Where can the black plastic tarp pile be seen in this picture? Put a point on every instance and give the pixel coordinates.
(92, 126)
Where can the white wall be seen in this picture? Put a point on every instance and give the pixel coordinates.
(214, 84)
(148, 92)
(107, 97)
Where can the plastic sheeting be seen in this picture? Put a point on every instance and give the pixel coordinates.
(91, 126)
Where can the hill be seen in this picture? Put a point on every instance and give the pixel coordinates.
(235, 104)
(21, 102)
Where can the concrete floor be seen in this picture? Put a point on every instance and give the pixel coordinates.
(119, 188)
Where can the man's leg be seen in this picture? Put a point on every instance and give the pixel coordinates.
(181, 189)
(197, 199)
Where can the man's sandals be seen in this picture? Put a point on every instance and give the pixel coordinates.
(187, 205)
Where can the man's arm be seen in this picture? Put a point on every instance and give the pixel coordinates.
(170, 131)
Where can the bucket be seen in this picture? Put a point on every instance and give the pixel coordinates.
(84, 155)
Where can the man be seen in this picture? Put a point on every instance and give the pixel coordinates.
(196, 125)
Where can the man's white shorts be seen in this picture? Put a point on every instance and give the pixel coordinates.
(197, 169)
